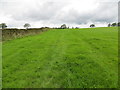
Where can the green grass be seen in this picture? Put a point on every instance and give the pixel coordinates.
(78, 58)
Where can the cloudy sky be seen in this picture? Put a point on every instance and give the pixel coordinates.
(53, 13)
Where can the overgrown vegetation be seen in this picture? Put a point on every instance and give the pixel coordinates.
(9, 34)
(63, 58)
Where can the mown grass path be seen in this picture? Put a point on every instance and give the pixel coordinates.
(81, 58)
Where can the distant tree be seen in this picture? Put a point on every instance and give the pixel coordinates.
(118, 24)
(27, 25)
(92, 25)
(3, 25)
(63, 26)
(0, 25)
(77, 27)
(109, 25)
(114, 24)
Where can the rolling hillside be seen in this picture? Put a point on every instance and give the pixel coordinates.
(62, 58)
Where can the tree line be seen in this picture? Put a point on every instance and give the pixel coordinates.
(63, 26)
(114, 24)
(3, 25)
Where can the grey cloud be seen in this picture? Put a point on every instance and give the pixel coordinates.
(45, 11)
(106, 12)
(73, 16)
(53, 12)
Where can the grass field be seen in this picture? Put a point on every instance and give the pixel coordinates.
(61, 58)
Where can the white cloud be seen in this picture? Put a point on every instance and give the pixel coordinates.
(56, 12)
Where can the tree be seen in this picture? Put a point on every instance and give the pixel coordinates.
(77, 28)
(109, 25)
(3, 25)
(114, 24)
(63, 26)
(118, 24)
(27, 25)
(0, 25)
(92, 25)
